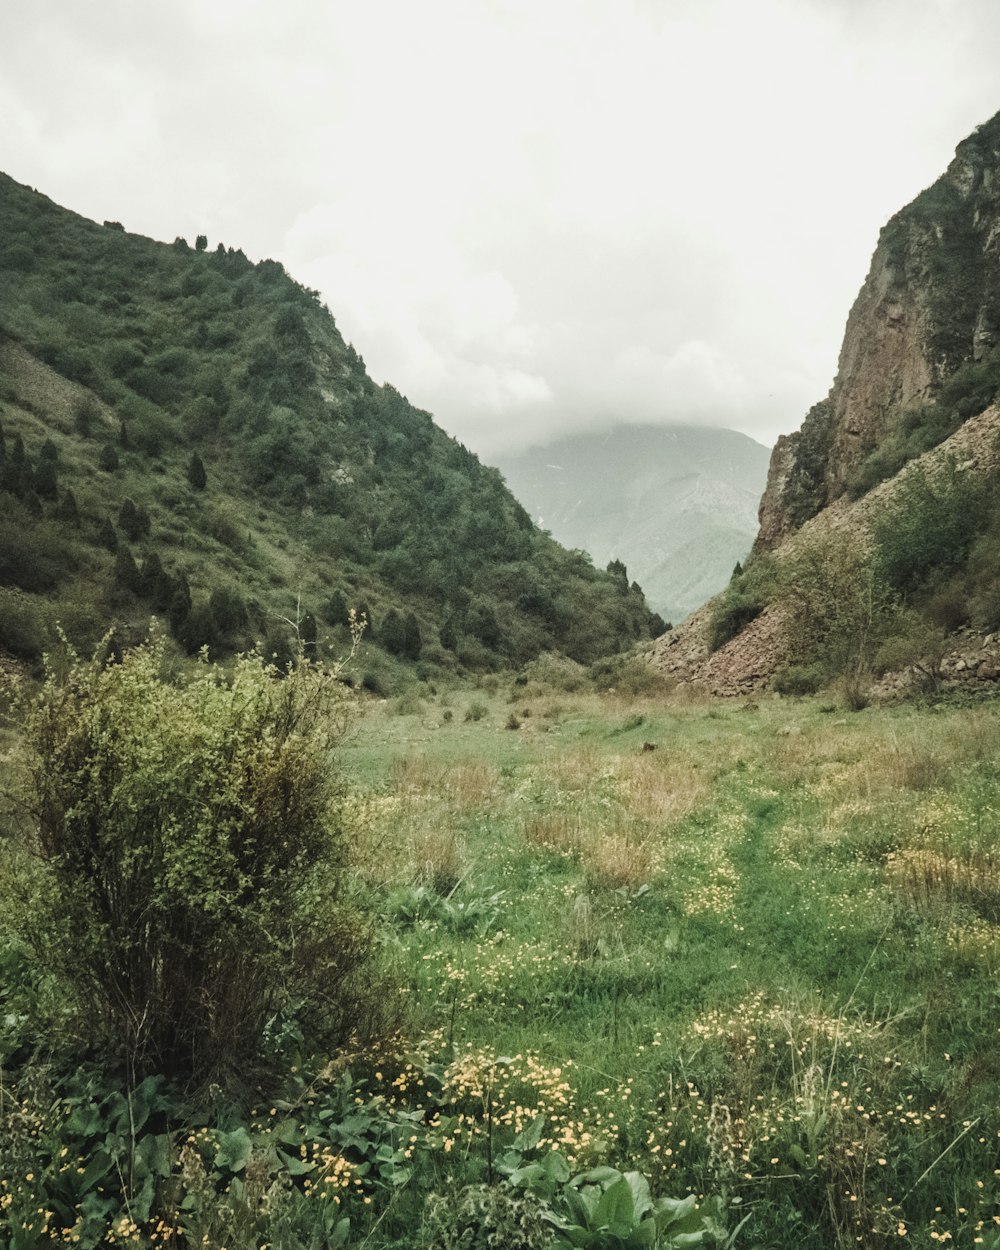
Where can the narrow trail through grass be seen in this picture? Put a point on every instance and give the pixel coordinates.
(723, 943)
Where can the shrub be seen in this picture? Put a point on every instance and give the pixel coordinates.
(743, 600)
(734, 611)
(799, 679)
(191, 853)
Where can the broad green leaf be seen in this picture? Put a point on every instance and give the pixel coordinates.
(616, 1208)
(529, 1137)
(579, 1208)
(338, 1235)
(145, 1099)
(234, 1150)
(640, 1193)
(673, 1211)
(644, 1234)
(556, 1167)
(294, 1165)
(684, 1241)
(597, 1176)
(96, 1170)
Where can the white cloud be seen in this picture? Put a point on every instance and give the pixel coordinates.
(526, 216)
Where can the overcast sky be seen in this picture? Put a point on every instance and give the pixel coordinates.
(530, 216)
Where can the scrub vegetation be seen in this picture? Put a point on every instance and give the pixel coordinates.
(185, 433)
(647, 966)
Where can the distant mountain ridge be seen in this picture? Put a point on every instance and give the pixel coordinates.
(678, 505)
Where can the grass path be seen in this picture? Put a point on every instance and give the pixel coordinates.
(726, 941)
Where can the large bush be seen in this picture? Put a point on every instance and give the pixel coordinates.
(187, 853)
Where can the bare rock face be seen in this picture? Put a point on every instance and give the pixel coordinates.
(929, 305)
(771, 514)
(747, 662)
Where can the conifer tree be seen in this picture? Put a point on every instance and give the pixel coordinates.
(412, 641)
(133, 520)
(107, 535)
(196, 474)
(67, 510)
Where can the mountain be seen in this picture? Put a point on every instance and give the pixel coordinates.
(887, 494)
(677, 505)
(185, 432)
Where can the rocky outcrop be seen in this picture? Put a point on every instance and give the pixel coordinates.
(748, 662)
(929, 305)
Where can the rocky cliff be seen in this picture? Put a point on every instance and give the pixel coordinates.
(916, 397)
(929, 308)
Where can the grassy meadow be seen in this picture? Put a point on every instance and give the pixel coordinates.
(748, 949)
(758, 961)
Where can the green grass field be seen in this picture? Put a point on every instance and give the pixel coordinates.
(759, 960)
(749, 950)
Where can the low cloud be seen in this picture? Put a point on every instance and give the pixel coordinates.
(529, 218)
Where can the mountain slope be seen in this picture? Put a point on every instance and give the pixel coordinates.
(677, 505)
(187, 432)
(880, 522)
(921, 350)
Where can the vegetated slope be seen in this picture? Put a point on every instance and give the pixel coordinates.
(186, 432)
(919, 364)
(677, 505)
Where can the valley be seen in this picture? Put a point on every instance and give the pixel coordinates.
(376, 872)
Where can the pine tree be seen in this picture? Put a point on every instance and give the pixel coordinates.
(46, 479)
(449, 635)
(133, 520)
(412, 641)
(107, 535)
(308, 631)
(196, 474)
(67, 510)
(108, 459)
(335, 609)
(126, 572)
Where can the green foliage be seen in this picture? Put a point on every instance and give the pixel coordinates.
(602, 1208)
(191, 852)
(929, 526)
(196, 474)
(840, 606)
(133, 521)
(800, 679)
(313, 476)
(743, 600)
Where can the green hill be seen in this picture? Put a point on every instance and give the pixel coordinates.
(186, 433)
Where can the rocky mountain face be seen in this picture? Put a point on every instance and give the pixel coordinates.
(677, 505)
(929, 308)
(914, 401)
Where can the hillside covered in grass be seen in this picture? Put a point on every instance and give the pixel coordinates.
(186, 433)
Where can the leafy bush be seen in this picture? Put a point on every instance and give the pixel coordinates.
(732, 613)
(929, 526)
(799, 679)
(191, 852)
(840, 609)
